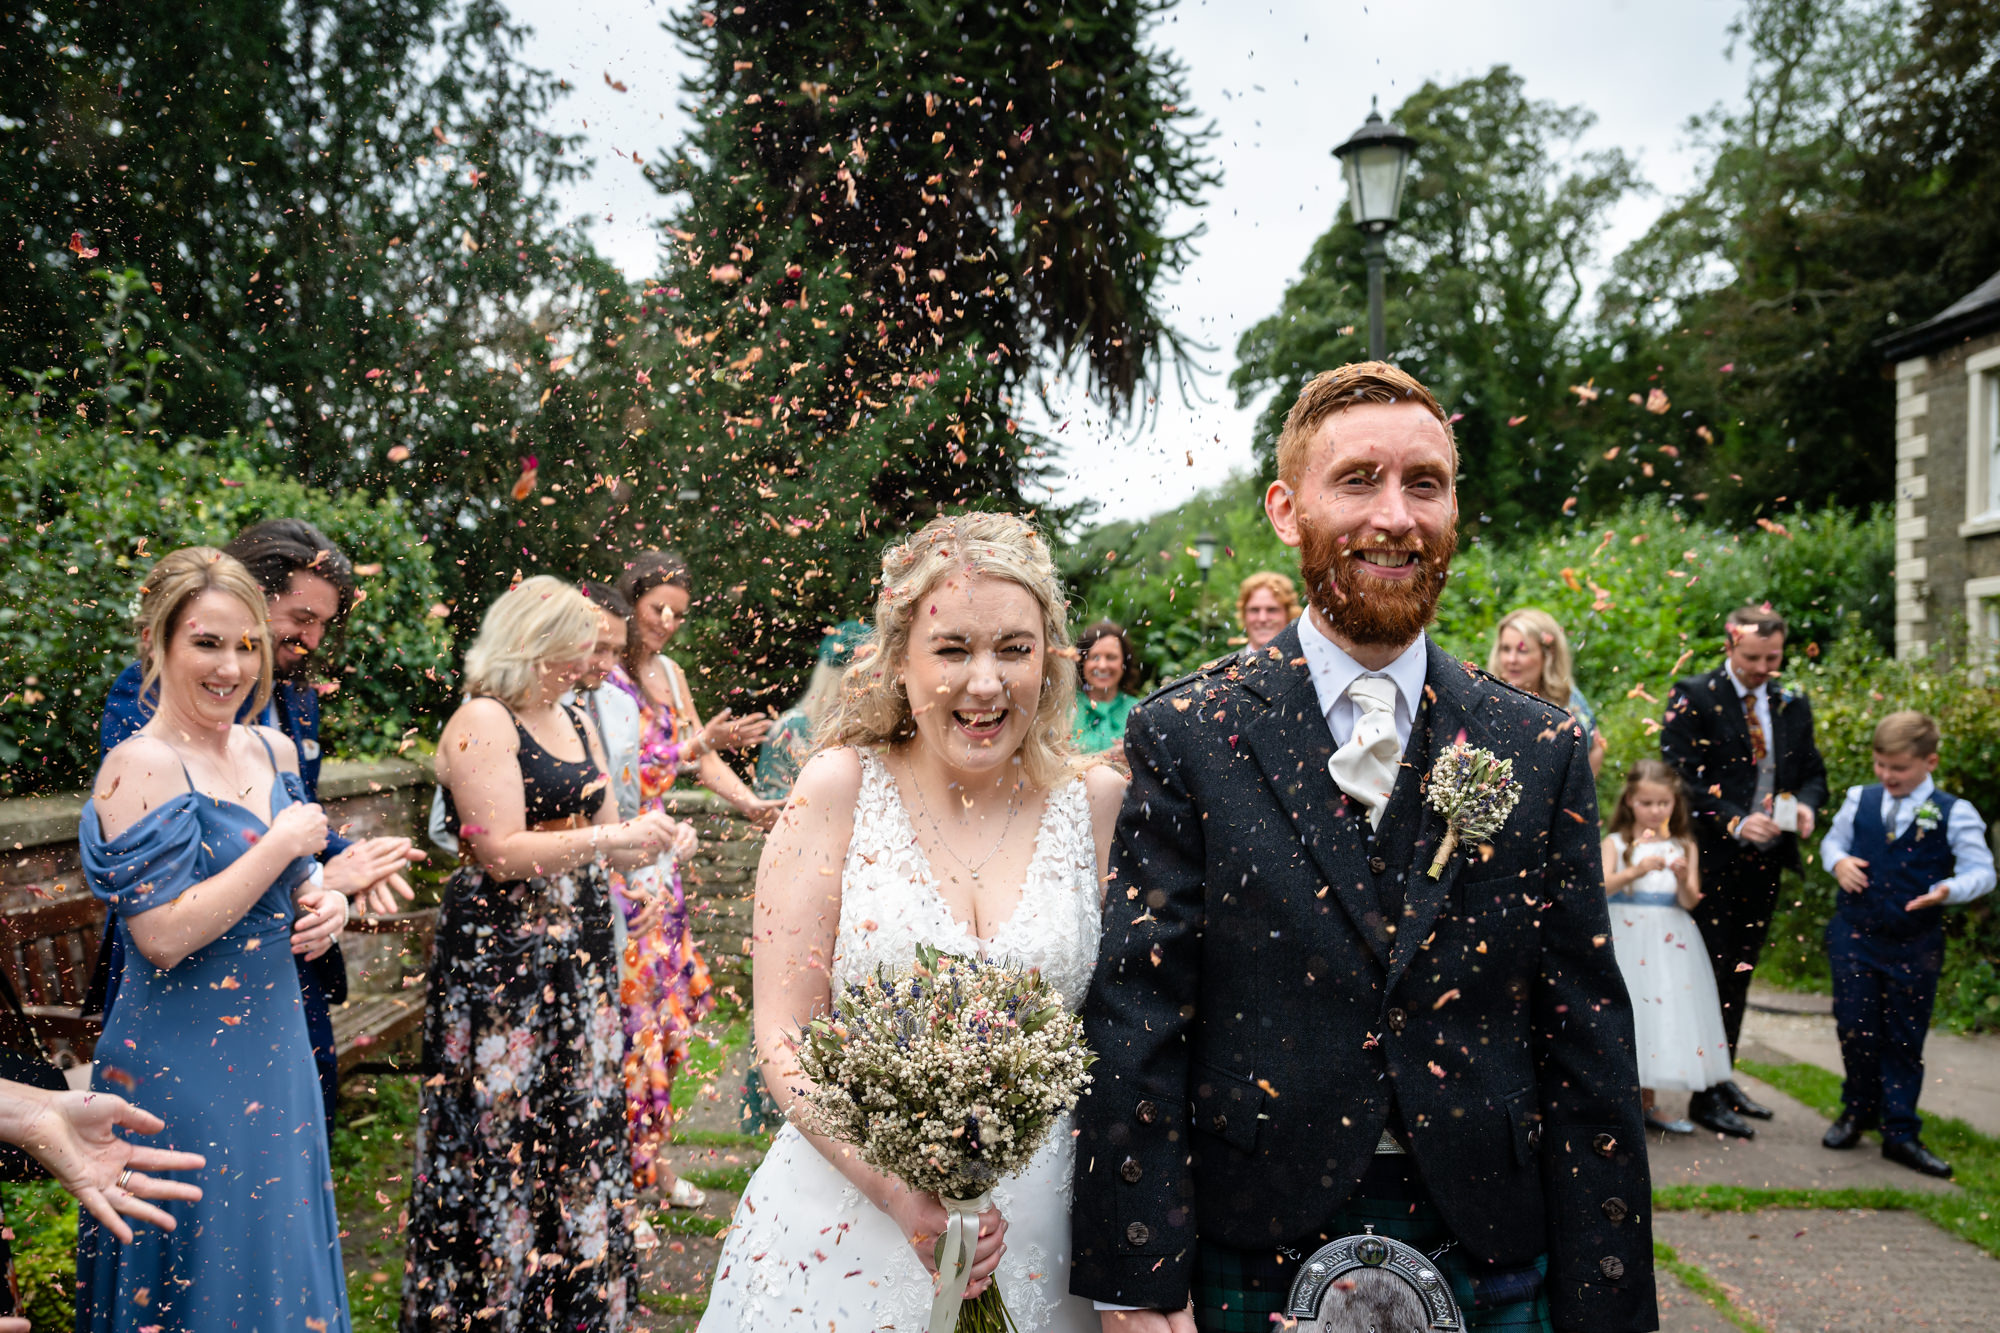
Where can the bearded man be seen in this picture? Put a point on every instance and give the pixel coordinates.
(1302, 1031)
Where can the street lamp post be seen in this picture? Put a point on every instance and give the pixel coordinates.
(1376, 159)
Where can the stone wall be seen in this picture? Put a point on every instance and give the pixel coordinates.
(39, 863)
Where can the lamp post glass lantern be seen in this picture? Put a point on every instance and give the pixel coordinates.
(1204, 552)
(1376, 161)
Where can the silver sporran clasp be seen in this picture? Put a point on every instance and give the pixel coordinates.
(1371, 1284)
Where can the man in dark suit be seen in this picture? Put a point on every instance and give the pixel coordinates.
(1755, 784)
(1301, 1033)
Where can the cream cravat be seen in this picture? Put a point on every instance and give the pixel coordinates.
(1365, 767)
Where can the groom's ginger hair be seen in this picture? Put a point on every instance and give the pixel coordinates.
(1333, 391)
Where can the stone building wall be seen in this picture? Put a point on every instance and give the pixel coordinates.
(1937, 551)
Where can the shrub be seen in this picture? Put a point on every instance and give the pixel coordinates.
(1638, 591)
(87, 511)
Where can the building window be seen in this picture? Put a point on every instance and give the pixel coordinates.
(1982, 443)
(1982, 621)
(1986, 422)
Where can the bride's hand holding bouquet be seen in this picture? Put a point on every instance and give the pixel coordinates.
(946, 1076)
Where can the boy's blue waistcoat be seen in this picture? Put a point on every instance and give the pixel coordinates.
(1898, 871)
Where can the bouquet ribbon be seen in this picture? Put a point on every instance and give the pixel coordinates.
(954, 1256)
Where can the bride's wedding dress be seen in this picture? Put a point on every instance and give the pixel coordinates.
(806, 1250)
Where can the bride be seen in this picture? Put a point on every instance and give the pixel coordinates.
(949, 811)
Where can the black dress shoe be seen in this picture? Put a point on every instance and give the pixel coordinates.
(1711, 1111)
(1846, 1132)
(1740, 1102)
(1910, 1153)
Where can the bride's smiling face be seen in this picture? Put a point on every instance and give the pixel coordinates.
(974, 669)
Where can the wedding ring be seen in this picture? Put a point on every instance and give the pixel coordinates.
(124, 1176)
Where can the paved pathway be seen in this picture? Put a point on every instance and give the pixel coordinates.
(1798, 1270)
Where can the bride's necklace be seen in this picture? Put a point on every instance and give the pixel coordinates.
(1013, 803)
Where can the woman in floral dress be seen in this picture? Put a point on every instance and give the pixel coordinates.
(665, 987)
(522, 1186)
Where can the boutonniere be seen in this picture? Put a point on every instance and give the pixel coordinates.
(1928, 816)
(1475, 792)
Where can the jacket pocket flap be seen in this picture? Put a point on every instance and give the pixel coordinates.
(1226, 1105)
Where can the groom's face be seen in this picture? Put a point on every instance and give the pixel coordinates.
(1375, 519)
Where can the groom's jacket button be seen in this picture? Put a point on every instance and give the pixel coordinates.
(1397, 1020)
(1535, 1137)
(1148, 1113)
(1220, 1124)
(1139, 1233)
(1615, 1210)
(1377, 864)
(1131, 1170)
(1610, 1265)
(1604, 1144)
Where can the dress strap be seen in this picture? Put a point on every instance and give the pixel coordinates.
(268, 752)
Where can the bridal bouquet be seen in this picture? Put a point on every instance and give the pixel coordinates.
(949, 1075)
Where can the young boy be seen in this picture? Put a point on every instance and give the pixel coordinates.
(1901, 849)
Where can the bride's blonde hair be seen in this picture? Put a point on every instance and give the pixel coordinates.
(874, 709)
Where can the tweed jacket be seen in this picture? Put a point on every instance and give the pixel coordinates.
(1274, 977)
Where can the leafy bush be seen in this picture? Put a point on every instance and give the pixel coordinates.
(1638, 592)
(43, 1219)
(85, 511)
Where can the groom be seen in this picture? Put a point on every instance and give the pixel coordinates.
(1301, 1033)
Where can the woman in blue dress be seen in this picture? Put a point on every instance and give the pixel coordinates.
(199, 841)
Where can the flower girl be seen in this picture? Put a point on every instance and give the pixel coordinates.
(1652, 874)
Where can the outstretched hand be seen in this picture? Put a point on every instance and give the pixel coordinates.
(73, 1134)
(1935, 898)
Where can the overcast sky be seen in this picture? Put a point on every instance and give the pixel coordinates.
(1284, 83)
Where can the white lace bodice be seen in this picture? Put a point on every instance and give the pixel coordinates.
(889, 900)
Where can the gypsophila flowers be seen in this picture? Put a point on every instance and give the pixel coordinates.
(1475, 792)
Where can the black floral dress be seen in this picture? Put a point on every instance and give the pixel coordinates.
(519, 1205)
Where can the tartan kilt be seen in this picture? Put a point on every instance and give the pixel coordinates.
(1244, 1291)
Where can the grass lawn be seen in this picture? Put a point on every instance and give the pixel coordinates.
(373, 1147)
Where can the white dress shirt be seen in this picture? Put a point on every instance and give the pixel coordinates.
(1332, 671)
(1965, 828)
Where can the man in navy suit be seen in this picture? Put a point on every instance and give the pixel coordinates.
(1302, 1028)
(309, 589)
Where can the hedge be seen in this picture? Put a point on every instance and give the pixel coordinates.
(88, 510)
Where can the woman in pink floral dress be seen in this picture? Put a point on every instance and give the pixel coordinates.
(665, 987)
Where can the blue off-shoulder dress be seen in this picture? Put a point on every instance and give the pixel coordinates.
(217, 1048)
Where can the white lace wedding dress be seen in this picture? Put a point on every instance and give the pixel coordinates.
(806, 1250)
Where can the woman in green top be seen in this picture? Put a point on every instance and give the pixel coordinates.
(1110, 672)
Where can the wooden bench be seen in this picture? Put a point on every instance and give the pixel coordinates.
(49, 949)
(372, 1021)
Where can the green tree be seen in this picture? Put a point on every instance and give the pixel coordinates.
(896, 212)
(1852, 191)
(345, 212)
(1500, 221)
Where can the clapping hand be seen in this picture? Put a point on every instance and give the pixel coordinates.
(74, 1135)
(322, 915)
(370, 872)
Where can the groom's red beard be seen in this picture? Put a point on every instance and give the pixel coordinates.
(1365, 609)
